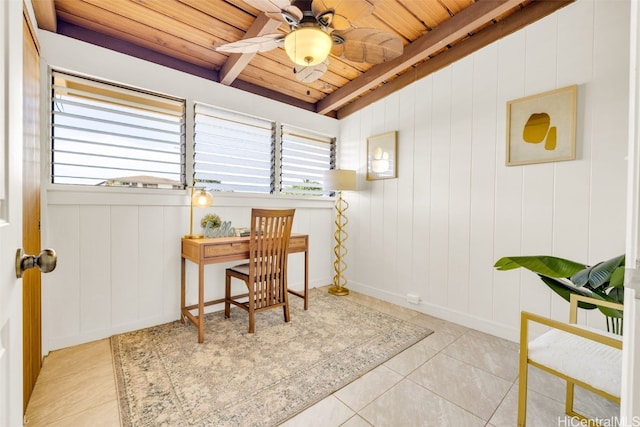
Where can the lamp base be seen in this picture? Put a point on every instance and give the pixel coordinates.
(192, 236)
(338, 290)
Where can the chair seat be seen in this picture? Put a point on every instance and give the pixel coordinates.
(240, 268)
(589, 361)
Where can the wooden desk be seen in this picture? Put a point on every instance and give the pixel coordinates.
(223, 249)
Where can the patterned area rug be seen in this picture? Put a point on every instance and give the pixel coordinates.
(235, 378)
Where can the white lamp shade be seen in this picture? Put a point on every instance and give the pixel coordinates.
(308, 46)
(339, 180)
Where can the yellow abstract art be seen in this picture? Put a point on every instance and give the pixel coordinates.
(541, 128)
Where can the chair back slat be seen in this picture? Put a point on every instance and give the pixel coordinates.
(268, 247)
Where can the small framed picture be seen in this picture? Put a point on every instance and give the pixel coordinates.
(542, 128)
(382, 156)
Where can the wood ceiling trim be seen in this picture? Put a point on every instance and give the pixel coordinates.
(236, 62)
(448, 32)
(132, 38)
(45, 12)
(131, 49)
(509, 25)
(135, 50)
(276, 96)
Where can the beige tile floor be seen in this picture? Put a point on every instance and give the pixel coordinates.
(455, 377)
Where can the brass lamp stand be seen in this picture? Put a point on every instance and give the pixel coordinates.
(200, 198)
(340, 180)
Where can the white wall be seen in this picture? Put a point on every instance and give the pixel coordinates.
(119, 249)
(437, 230)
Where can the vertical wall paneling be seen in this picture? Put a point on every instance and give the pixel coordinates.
(61, 303)
(406, 143)
(149, 270)
(440, 188)
(94, 267)
(538, 179)
(571, 195)
(483, 173)
(609, 132)
(421, 187)
(508, 187)
(575, 57)
(377, 195)
(389, 231)
(468, 208)
(460, 184)
(125, 257)
(169, 288)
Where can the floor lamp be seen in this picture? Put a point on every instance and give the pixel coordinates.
(340, 180)
(200, 198)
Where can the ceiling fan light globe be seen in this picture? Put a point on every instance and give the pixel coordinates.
(308, 45)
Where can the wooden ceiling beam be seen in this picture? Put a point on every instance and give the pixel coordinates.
(45, 12)
(236, 62)
(512, 23)
(272, 94)
(446, 33)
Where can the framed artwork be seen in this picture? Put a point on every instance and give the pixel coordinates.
(382, 156)
(542, 128)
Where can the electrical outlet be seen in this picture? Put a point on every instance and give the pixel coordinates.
(413, 299)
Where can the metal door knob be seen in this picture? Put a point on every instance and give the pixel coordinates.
(46, 261)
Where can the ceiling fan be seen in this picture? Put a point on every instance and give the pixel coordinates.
(320, 27)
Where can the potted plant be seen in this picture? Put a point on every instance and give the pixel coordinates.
(210, 221)
(604, 280)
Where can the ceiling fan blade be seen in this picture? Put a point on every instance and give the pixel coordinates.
(344, 11)
(269, 5)
(253, 44)
(310, 74)
(367, 45)
(293, 11)
(291, 15)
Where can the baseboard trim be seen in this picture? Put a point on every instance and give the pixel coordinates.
(454, 316)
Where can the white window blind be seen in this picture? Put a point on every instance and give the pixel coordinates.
(104, 134)
(233, 151)
(304, 158)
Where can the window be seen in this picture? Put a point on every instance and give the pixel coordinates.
(104, 134)
(303, 159)
(233, 151)
(237, 152)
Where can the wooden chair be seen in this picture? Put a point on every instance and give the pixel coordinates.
(266, 273)
(582, 356)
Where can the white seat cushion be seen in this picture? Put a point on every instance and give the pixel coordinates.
(596, 364)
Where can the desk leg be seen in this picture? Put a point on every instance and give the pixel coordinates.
(306, 279)
(182, 292)
(200, 302)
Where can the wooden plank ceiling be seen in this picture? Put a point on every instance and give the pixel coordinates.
(183, 34)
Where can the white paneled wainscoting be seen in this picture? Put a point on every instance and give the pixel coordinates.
(119, 257)
(436, 231)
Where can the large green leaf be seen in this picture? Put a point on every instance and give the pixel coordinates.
(541, 264)
(565, 288)
(617, 278)
(581, 278)
(600, 273)
(614, 296)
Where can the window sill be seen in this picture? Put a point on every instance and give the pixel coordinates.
(85, 195)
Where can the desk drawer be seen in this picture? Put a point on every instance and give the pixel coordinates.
(297, 244)
(214, 250)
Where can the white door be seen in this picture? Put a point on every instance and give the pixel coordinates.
(10, 212)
